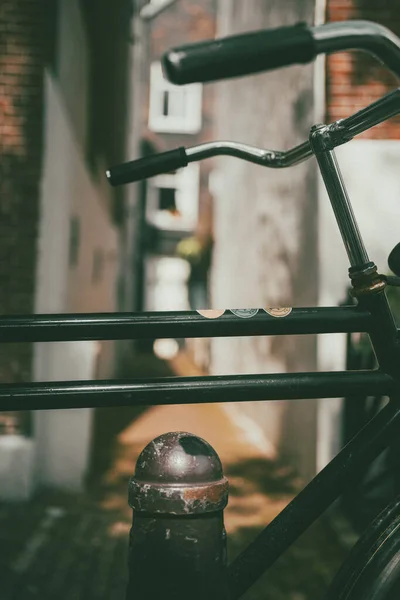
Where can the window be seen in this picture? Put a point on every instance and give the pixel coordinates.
(173, 199)
(173, 108)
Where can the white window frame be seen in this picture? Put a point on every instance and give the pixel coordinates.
(187, 184)
(190, 96)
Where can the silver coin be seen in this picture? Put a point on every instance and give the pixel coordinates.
(244, 313)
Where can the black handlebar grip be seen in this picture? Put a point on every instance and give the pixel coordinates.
(239, 55)
(149, 166)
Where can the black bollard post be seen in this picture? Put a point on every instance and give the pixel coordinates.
(178, 540)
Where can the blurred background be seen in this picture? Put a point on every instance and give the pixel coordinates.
(81, 89)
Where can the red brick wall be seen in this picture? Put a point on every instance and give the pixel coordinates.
(26, 35)
(354, 80)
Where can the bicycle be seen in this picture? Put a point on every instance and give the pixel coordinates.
(372, 570)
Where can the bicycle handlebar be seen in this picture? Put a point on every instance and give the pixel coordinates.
(344, 130)
(240, 55)
(250, 53)
(263, 50)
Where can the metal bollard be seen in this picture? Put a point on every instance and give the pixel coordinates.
(178, 540)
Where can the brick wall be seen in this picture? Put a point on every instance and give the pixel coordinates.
(356, 79)
(26, 36)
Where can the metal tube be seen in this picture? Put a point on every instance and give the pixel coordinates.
(193, 390)
(219, 148)
(313, 500)
(152, 325)
(359, 35)
(294, 155)
(178, 540)
(379, 111)
(266, 158)
(328, 165)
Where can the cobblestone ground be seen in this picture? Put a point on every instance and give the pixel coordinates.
(75, 548)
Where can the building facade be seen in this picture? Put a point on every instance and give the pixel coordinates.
(62, 122)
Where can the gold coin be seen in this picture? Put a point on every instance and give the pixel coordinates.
(278, 312)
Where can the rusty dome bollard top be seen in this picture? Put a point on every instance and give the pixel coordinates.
(178, 473)
(178, 540)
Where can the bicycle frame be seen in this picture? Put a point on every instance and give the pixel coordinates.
(372, 315)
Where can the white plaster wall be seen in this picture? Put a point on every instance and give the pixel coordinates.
(265, 226)
(370, 170)
(57, 455)
(63, 436)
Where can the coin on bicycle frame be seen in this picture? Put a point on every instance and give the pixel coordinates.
(244, 313)
(278, 312)
(211, 314)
